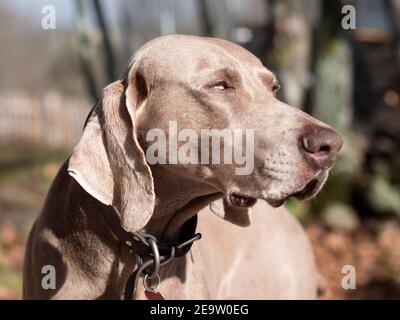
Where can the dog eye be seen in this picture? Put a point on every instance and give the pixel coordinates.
(221, 85)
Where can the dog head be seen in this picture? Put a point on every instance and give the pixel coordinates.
(205, 109)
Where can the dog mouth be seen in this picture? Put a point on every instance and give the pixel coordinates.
(240, 200)
(307, 191)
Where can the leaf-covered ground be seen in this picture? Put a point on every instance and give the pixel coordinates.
(373, 250)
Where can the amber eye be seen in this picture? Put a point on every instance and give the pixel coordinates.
(221, 85)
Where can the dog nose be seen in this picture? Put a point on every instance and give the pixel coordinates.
(321, 146)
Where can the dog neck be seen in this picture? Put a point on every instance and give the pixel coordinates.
(176, 204)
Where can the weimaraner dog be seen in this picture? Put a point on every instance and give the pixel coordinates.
(108, 190)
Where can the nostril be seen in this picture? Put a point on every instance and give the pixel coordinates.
(323, 150)
(315, 148)
(320, 146)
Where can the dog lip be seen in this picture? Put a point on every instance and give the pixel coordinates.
(303, 193)
(308, 189)
(276, 203)
(240, 200)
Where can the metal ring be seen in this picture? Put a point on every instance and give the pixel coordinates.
(144, 237)
(156, 259)
(165, 260)
(147, 277)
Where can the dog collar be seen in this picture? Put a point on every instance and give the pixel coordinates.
(155, 254)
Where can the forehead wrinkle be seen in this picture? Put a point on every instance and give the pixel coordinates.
(238, 64)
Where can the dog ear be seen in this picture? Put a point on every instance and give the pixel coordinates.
(108, 161)
(237, 215)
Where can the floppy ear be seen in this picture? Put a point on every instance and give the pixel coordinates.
(237, 215)
(109, 163)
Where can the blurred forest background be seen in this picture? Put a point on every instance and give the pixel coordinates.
(350, 79)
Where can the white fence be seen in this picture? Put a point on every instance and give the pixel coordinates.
(52, 120)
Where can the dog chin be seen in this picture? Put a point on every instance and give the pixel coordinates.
(305, 192)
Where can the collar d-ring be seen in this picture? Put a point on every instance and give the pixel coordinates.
(146, 285)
